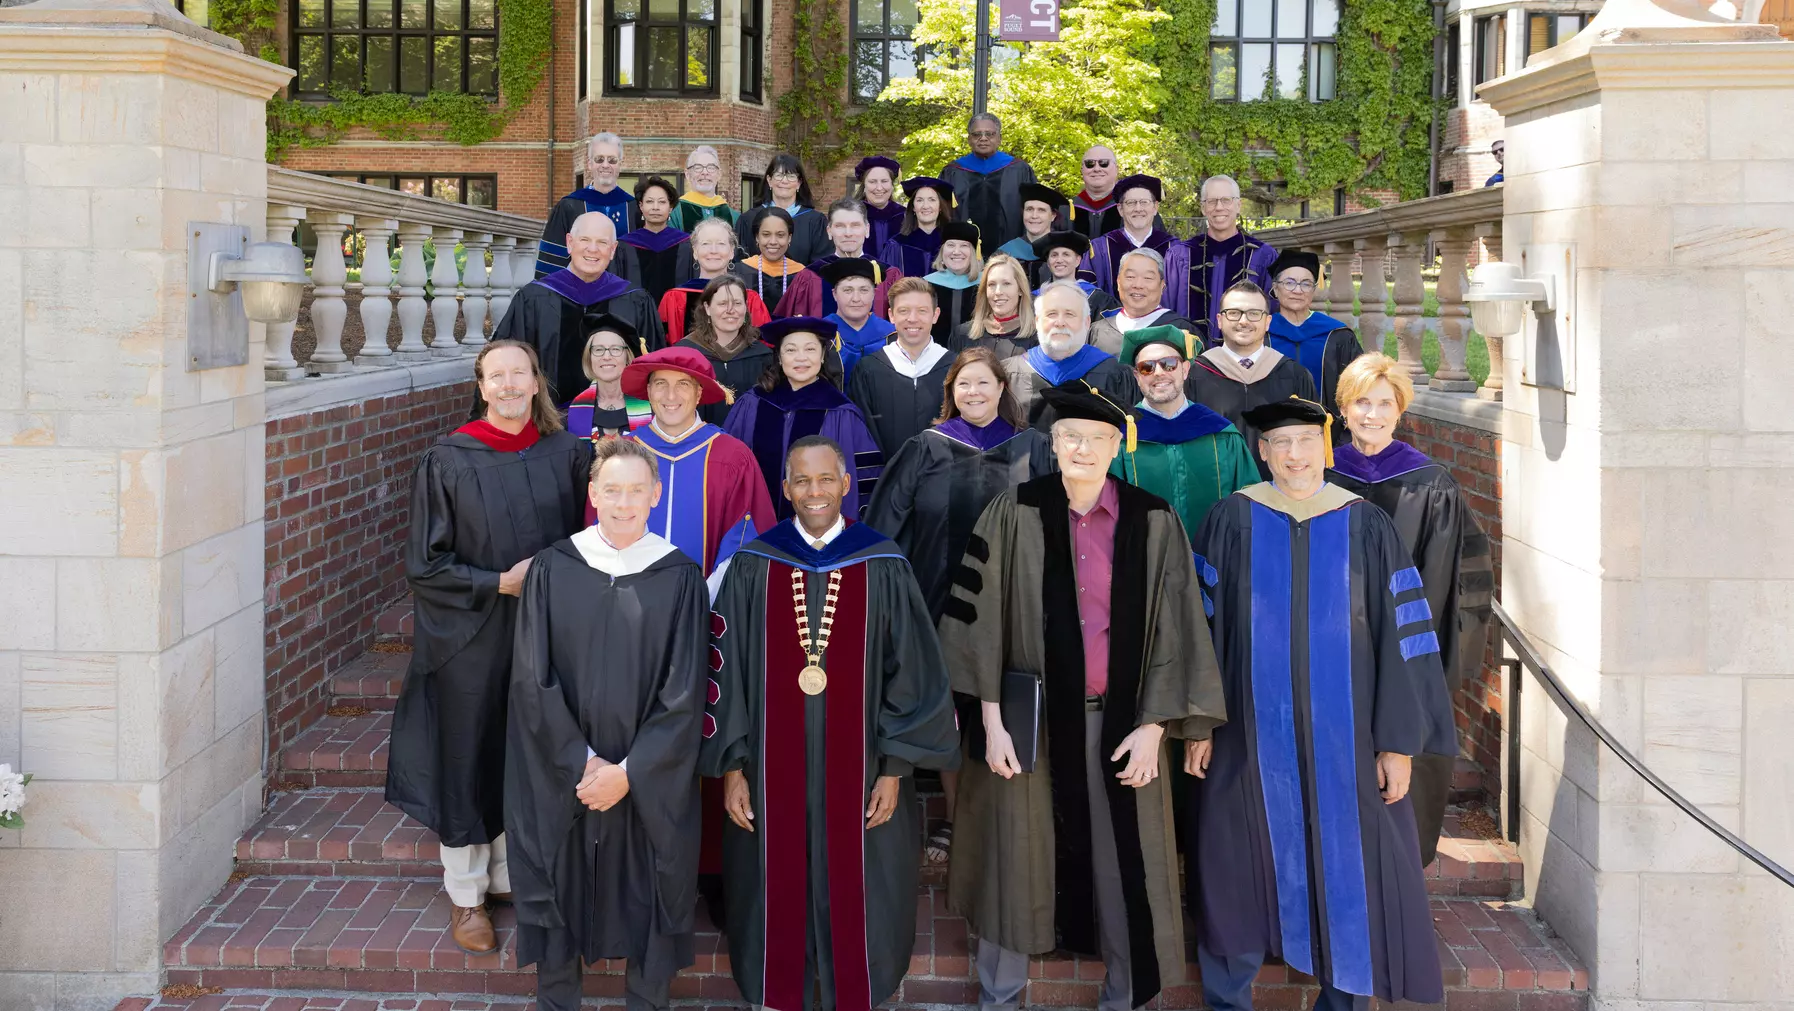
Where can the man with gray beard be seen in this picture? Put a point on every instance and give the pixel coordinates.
(1064, 355)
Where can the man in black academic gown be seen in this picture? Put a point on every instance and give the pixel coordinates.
(601, 789)
(987, 183)
(1244, 372)
(1223, 254)
(484, 501)
(829, 691)
(1303, 835)
(604, 161)
(1063, 356)
(899, 386)
(551, 314)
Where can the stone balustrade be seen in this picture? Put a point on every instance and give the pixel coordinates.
(1394, 238)
(473, 295)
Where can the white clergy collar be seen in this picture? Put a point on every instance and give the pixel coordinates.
(908, 369)
(1128, 324)
(616, 562)
(1138, 241)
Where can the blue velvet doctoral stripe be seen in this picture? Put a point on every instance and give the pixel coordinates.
(1420, 644)
(1208, 575)
(1274, 723)
(680, 516)
(1405, 579)
(1412, 611)
(1335, 750)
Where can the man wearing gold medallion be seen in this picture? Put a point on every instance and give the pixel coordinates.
(827, 690)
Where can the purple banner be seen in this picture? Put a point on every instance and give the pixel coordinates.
(1029, 21)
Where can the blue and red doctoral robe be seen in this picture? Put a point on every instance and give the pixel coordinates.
(712, 500)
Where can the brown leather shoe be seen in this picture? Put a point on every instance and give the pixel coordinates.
(472, 930)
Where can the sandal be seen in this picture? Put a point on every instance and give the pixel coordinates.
(940, 843)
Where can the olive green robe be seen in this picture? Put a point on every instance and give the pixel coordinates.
(1014, 608)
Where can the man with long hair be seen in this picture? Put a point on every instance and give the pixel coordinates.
(486, 498)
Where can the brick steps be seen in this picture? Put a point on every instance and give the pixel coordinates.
(390, 936)
(338, 906)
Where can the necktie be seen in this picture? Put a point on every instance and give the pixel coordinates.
(1245, 363)
(818, 544)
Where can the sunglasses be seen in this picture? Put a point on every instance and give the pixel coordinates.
(1167, 365)
(1096, 163)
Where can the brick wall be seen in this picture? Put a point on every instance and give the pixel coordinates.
(1474, 458)
(339, 488)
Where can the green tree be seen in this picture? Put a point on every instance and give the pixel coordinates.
(1096, 85)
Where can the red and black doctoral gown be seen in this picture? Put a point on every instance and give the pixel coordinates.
(612, 655)
(1449, 547)
(555, 314)
(1328, 657)
(812, 894)
(809, 296)
(481, 502)
(679, 309)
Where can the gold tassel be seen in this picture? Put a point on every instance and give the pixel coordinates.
(729, 398)
(1189, 345)
(1133, 439)
(1327, 437)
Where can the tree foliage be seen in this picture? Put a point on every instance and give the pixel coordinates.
(1096, 85)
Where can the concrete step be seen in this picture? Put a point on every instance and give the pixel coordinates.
(390, 936)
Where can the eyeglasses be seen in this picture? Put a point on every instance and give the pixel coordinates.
(788, 177)
(1291, 284)
(605, 159)
(1249, 315)
(1220, 201)
(1136, 205)
(1079, 442)
(1096, 163)
(709, 167)
(1283, 443)
(606, 352)
(984, 135)
(1168, 364)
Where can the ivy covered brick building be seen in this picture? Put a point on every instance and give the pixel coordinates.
(1304, 97)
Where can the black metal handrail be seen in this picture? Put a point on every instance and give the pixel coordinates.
(1529, 658)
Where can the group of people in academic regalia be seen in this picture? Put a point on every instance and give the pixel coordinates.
(755, 518)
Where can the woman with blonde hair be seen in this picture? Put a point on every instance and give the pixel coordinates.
(1003, 313)
(935, 488)
(1440, 532)
(957, 268)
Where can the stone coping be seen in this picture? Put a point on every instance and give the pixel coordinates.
(1466, 409)
(318, 393)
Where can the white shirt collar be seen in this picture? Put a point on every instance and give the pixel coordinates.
(615, 562)
(1128, 324)
(1139, 242)
(1253, 357)
(828, 536)
(900, 359)
(1146, 405)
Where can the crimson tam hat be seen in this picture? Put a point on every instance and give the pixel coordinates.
(688, 361)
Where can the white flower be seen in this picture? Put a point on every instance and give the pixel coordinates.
(12, 791)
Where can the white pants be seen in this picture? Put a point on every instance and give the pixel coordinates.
(470, 872)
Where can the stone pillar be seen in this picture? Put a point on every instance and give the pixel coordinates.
(1339, 282)
(1373, 295)
(504, 250)
(1646, 494)
(1410, 296)
(523, 264)
(445, 277)
(473, 282)
(131, 492)
(1453, 375)
(1491, 387)
(328, 310)
(412, 307)
(279, 365)
(376, 293)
